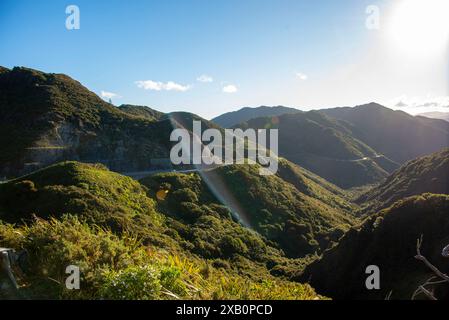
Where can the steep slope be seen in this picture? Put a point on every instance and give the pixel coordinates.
(45, 118)
(422, 175)
(80, 214)
(314, 186)
(298, 222)
(86, 190)
(396, 134)
(230, 119)
(99, 196)
(387, 240)
(325, 147)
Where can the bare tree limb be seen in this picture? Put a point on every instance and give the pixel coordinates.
(427, 293)
(434, 269)
(431, 281)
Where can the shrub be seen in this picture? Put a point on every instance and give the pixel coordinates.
(230, 246)
(53, 245)
(132, 283)
(171, 280)
(185, 195)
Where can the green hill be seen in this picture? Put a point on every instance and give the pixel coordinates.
(422, 175)
(46, 118)
(230, 119)
(141, 111)
(387, 240)
(396, 134)
(314, 186)
(80, 214)
(325, 147)
(298, 222)
(91, 191)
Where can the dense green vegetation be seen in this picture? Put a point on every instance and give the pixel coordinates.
(316, 187)
(217, 233)
(425, 174)
(121, 267)
(294, 221)
(141, 111)
(74, 213)
(91, 191)
(325, 147)
(396, 134)
(46, 118)
(388, 240)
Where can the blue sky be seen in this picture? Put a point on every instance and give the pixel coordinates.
(306, 54)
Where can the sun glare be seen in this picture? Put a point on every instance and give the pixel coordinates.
(420, 27)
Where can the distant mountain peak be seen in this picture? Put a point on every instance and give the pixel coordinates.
(244, 114)
(395, 134)
(372, 105)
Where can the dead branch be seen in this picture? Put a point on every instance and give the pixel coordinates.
(438, 274)
(427, 293)
(434, 269)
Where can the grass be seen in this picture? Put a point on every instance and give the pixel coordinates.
(128, 247)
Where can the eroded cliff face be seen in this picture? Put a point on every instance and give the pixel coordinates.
(67, 141)
(47, 118)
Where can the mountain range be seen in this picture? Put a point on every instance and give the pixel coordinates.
(45, 118)
(230, 119)
(436, 115)
(395, 134)
(325, 146)
(354, 187)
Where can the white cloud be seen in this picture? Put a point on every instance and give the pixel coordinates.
(109, 95)
(230, 89)
(419, 104)
(205, 78)
(301, 76)
(169, 86)
(161, 86)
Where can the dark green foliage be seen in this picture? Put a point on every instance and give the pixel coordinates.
(276, 209)
(105, 223)
(388, 240)
(202, 221)
(396, 134)
(282, 207)
(223, 233)
(314, 186)
(141, 111)
(47, 118)
(90, 191)
(426, 174)
(323, 146)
